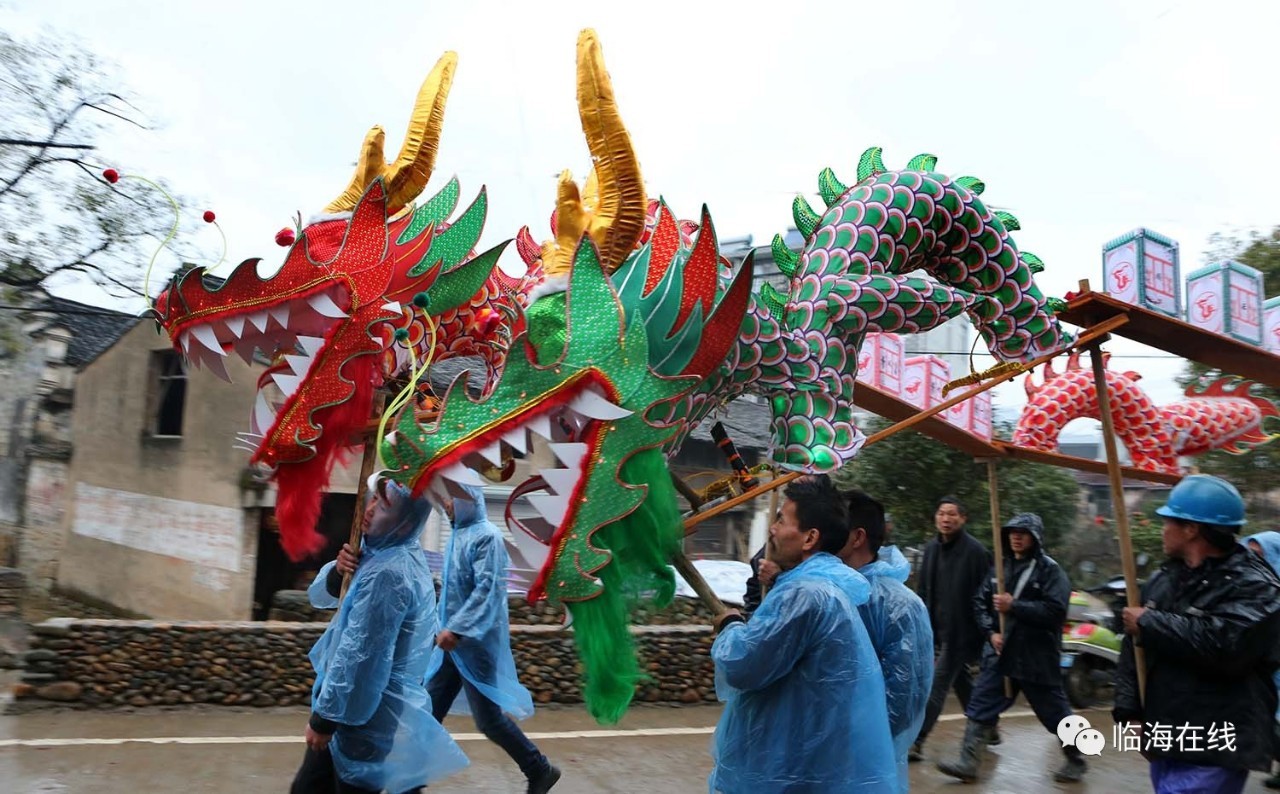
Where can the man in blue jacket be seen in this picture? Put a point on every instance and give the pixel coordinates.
(897, 622)
(475, 635)
(371, 727)
(804, 696)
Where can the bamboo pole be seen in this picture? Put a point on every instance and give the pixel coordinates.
(367, 462)
(699, 585)
(746, 496)
(1088, 337)
(1098, 331)
(997, 544)
(694, 499)
(1117, 500)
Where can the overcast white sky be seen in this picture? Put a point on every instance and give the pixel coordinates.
(1085, 119)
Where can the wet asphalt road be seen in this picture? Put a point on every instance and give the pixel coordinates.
(654, 749)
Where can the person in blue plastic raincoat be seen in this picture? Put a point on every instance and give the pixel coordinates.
(804, 696)
(371, 727)
(897, 621)
(1267, 546)
(475, 635)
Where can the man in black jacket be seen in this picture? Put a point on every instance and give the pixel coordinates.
(1029, 652)
(954, 567)
(1209, 628)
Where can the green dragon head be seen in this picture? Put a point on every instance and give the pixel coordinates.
(589, 376)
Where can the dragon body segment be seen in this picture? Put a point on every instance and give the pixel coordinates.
(799, 350)
(1223, 414)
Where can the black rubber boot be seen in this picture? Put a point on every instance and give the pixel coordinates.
(1073, 769)
(993, 735)
(966, 766)
(916, 753)
(543, 783)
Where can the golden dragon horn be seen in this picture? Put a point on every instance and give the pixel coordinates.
(409, 173)
(613, 210)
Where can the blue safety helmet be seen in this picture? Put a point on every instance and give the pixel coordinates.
(1205, 500)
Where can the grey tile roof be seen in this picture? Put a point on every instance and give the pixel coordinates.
(93, 328)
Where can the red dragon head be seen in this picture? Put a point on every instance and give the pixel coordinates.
(367, 287)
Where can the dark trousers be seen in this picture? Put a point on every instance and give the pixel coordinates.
(317, 776)
(989, 701)
(497, 727)
(950, 670)
(1177, 777)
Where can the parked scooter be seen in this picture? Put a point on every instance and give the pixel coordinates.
(1091, 643)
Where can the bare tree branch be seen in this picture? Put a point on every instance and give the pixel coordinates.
(58, 217)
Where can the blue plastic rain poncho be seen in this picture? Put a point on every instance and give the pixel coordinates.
(473, 605)
(804, 697)
(898, 624)
(370, 662)
(1270, 543)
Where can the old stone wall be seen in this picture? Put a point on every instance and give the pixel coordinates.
(116, 663)
(292, 606)
(11, 585)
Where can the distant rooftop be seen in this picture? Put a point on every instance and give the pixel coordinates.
(93, 328)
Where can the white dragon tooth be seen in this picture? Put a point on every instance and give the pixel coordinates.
(517, 439)
(392, 306)
(299, 364)
(235, 325)
(572, 422)
(553, 507)
(217, 365)
(593, 406)
(310, 344)
(244, 350)
(185, 339)
(280, 314)
(324, 305)
(541, 425)
(461, 474)
(560, 481)
(208, 338)
(570, 455)
(259, 320)
(437, 489)
(533, 551)
(493, 453)
(287, 383)
(263, 416)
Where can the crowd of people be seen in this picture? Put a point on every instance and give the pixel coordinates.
(834, 672)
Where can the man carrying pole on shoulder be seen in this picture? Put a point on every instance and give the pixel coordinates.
(803, 691)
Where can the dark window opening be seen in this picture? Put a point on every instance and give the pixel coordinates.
(170, 393)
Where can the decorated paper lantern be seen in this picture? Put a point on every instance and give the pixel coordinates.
(1226, 298)
(1271, 325)
(923, 379)
(880, 362)
(1142, 268)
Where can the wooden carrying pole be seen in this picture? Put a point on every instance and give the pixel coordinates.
(699, 585)
(1118, 505)
(367, 462)
(993, 482)
(1099, 330)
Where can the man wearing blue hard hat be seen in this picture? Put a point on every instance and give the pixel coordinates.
(1209, 626)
